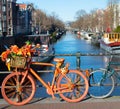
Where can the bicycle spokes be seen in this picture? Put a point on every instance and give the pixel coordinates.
(101, 84)
(74, 88)
(16, 93)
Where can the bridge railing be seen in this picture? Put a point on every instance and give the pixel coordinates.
(77, 55)
(78, 60)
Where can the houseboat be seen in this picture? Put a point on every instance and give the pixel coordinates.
(45, 50)
(110, 42)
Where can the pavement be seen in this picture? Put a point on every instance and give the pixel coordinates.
(48, 103)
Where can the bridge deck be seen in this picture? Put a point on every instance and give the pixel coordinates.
(48, 103)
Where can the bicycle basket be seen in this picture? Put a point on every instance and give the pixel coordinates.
(18, 62)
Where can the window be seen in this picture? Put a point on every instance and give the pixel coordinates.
(4, 1)
(9, 13)
(4, 17)
(109, 37)
(4, 25)
(4, 13)
(9, 5)
(118, 36)
(3, 8)
(9, 22)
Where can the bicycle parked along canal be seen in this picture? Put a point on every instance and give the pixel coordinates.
(19, 87)
(103, 80)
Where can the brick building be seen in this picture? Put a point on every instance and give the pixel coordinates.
(8, 17)
(15, 19)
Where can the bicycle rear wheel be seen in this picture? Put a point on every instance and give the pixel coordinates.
(16, 93)
(74, 90)
(101, 85)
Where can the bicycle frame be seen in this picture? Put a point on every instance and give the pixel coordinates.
(51, 89)
(110, 71)
(113, 71)
(109, 68)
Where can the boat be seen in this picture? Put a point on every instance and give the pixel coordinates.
(78, 33)
(88, 35)
(95, 39)
(110, 42)
(45, 50)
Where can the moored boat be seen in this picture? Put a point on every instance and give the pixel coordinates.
(45, 50)
(110, 42)
(95, 39)
(88, 35)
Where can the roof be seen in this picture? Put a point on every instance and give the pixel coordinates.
(22, 6)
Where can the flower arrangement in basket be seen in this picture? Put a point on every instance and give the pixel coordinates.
(17, 57)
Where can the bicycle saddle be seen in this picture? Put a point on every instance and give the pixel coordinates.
(58, 59)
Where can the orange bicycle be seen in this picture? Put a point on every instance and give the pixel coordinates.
(19, 87)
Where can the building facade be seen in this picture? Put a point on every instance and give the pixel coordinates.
(7, 17)
(24, 18)
(15, 19)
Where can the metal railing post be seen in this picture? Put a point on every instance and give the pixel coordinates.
(78, 60)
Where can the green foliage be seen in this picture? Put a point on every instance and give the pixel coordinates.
(117, 29)
(53, 36)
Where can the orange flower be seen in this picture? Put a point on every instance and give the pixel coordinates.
(5, 54)
(14, 48)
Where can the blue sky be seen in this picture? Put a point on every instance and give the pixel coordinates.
(66, 9)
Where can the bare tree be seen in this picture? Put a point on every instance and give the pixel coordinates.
(113, 13)
(45, 22)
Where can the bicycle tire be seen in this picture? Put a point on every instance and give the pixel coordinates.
(17, 94)
(99, 85)
(79, 86)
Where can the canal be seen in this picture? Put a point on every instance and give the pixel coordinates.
(69, 43)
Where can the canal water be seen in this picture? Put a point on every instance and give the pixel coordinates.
(69, 43)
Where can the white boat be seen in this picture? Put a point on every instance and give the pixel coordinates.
(45, 50)
(110, 42)
(88, 35)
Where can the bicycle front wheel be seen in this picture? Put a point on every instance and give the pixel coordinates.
(100, 84)
(73, 87)
(16, 93)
